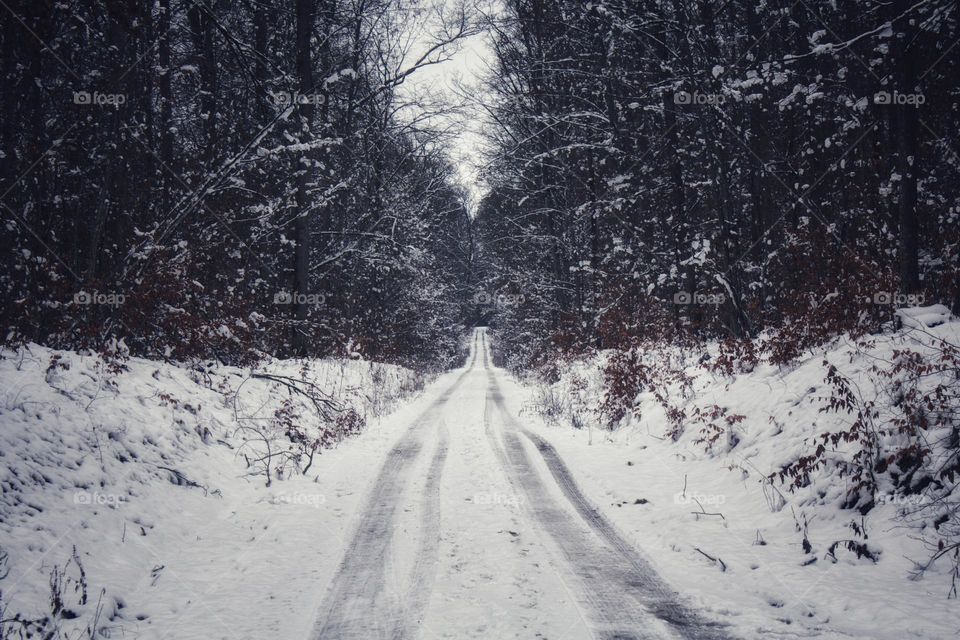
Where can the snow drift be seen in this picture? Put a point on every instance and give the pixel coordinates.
(822, 491)
(127, 483)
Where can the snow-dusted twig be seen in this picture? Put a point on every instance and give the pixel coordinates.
(717, 560)
(703, 512)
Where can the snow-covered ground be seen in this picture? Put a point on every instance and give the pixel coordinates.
(768, 585)
(102, 465)
(452, 517)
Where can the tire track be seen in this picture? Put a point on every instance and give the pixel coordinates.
(624, 596)
(610, 612)
(483, 346)
(653, 592)
(425, 568)
(358, 603)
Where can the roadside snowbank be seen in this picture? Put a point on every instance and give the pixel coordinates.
(128, 495)
(757, 555)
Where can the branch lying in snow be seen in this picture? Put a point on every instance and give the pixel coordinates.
(702, 511)
(182, 480)
(723, 565)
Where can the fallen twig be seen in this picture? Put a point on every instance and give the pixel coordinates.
(723, 565)
(703, 512)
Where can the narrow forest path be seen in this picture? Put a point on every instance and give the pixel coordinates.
(475, 528)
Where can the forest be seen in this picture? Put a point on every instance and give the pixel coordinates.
(224, 180)
(692, 170)
(590, 319)
(247, 177)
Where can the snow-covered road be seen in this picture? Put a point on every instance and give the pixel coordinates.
(460, 513)
(474, 528)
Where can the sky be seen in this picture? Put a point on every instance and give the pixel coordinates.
(453, 80)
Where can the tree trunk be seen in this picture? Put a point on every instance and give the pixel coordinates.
(201, 23)
(166, 106)
(301, 266)
(907, 117)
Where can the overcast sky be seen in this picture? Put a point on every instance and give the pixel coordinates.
(450, 80)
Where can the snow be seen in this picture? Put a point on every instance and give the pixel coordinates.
(770, 586)
(142, 473)
(495, 578)
(84, 457)
(923, 317)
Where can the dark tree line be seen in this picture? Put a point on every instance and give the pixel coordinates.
(215, 178)
(672, 167)
(222, 179)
